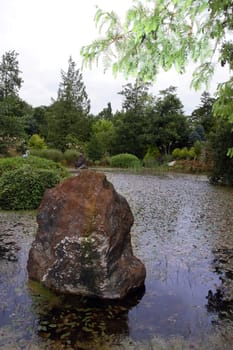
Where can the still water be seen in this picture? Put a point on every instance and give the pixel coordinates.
(183, 232)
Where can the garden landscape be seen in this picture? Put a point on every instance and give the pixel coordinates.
(144, 228)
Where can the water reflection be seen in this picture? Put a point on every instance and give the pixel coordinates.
(220, 299)
(72, 318)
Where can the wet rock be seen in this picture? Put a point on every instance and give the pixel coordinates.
(83, 243)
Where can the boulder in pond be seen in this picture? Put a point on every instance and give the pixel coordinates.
(83, 243)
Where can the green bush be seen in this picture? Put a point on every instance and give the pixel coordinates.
(95, 149)
(176, 153)
(24, 187)
(184, 153)
(70, 156)
(125, 160)
(191, 153)
(13, 163)
(151, 157)
(50, 153)
(36, 142)
(198, 146)
(152, 152)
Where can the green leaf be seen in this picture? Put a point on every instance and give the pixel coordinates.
(230, 152)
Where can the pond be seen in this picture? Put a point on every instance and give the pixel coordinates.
(183, 232)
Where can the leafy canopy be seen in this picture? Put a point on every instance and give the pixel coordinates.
(168, 33)
(162, 34)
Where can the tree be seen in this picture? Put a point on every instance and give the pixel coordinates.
(203, 115)
(13, 110)
(72, 90)
(136, 97)
(167, 125)
(10, 80)
(222, 140)
(68, 116)
(131, 123)
(106, 113)
(169, 33)
(36, 122)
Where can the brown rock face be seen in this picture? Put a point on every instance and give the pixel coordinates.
(83, 243)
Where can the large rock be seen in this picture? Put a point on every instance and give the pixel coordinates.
(83, 243)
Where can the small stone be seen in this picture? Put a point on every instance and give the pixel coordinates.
(83, 242)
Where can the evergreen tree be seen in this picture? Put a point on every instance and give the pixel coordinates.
(10, 80)
(72, 90)
(203, 115)
(68, 116)
(106, 113)
(12, 109)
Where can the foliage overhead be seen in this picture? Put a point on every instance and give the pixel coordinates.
(163, 33)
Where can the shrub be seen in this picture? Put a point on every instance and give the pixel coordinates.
(152, 152)
(191, 153)
(50, 153)
(72, 142)
(184, 153)
(151, 157)
(24, 187)
(36, 142)
(176, 153)
(70, 156)
(95, 149)
(125, 160)
(198, 148)
(13, 163)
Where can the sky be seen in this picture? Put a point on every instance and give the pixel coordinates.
(45, 33)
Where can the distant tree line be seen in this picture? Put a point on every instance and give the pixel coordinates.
(145, 125)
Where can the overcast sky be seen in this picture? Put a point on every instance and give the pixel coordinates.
(46, 32)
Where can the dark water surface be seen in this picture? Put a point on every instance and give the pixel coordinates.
(183, 232)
